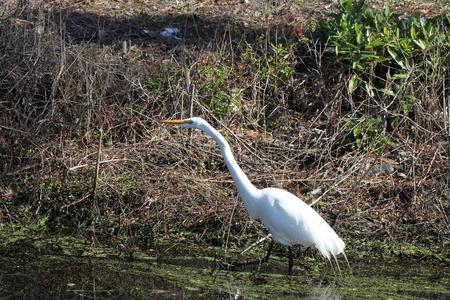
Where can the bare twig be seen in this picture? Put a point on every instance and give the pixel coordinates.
(101, 162)
(256, 243)
(97, 169)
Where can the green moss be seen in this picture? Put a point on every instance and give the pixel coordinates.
(71, 265)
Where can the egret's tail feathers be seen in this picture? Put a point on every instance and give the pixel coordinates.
(333, 245)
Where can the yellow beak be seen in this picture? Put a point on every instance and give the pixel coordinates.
(173, 121)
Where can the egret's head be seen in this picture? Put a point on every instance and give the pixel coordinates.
(197, 123)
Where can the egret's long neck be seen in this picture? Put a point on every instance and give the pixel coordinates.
(245, 188)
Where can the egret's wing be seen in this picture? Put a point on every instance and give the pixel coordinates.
(291, 221)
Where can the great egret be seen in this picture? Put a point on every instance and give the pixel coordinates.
(289, 219)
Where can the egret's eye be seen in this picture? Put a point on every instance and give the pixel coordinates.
(189, 121)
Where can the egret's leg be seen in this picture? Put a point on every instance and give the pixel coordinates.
(260, 261)
(266, 259)
(291, 260)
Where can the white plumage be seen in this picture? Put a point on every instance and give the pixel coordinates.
(289, 219)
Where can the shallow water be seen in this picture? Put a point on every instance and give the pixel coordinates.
(36, 268)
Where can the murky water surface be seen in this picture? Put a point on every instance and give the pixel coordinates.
(31, 268)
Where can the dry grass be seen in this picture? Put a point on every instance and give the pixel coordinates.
(71, 71)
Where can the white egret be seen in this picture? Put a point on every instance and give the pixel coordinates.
(289, 219)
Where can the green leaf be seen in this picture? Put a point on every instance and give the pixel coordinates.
(388, 9)
(356, 131)
(369, 89)
(413, 33)
(353, 83)
(391, 143)
(397, 58)
(375, 43)
(389, 92)
(359, 36)
(399, 76)
(374, 121)
(369, 14)
(421, 43)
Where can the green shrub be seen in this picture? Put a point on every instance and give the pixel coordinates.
(366, 133)
(387, 57)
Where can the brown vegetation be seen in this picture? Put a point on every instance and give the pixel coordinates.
(76, 76)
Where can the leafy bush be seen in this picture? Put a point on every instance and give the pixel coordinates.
(387, 56)
(365, 38)
(274, 65)
(365, 133)
(214, 88)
